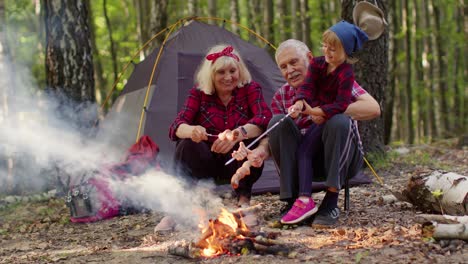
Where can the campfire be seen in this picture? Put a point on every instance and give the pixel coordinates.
(228, 235)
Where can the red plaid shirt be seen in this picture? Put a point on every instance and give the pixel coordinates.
(284, 98)
(332, 92)
(246, 106)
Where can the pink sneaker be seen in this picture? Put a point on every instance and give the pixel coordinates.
(299, 211)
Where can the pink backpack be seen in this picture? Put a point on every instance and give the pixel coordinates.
(91, 199)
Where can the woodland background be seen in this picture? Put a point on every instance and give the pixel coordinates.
(416, 70)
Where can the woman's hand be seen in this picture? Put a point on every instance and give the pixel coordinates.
(225, 142)
(198, 134)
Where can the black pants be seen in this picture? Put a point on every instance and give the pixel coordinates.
(340, 155)
(197, 161)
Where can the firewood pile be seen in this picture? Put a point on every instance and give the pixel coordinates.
(228, 235)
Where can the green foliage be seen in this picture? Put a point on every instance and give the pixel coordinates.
(360, 256)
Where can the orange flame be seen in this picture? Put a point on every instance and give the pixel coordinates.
(225, 226)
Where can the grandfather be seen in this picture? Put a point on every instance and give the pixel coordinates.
(342, 149)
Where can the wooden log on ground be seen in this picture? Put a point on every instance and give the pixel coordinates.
(451, 231)
(280, 250)
(422, 191)
(441, 219)
(248, 210)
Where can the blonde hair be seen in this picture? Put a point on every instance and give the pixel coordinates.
(206, 71)
(330, 38)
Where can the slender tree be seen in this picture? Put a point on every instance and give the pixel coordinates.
(409, 72)
(371, 73)
(69, 59)
(158, 19)
(254, 19)
(234, 8)
(391, 90)
(421, 127)
(296, 29)
(113, 49)
(192, 7)
(305, 22)
(459, 97)
(101, 81)
(442, 67)
(281, 16)
(212, 10)
(268, 29)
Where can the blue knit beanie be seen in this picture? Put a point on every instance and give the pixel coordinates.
(352, 37)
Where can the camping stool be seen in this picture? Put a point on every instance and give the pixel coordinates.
(346, 200)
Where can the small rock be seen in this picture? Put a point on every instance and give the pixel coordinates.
(10, 199)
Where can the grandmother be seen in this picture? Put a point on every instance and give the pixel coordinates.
(224, 108)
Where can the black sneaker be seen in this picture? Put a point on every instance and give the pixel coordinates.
(326, 217)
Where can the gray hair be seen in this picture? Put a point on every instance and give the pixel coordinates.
(300, 47)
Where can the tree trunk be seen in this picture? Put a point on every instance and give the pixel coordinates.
(419, 90)
(212, 11)
(390, 92)
(443, 193)
(158, 20)
(101, 81)
(268, 30)
(325, 21)
(6, 159)
(371, 73)
(281, 15)
(431, 98)
(234, 8)
(442, 72)
(409, 72)
(459, 96)
(254, 19)
(296, 30)
(112, 43)
(305, 23)
(69, 59)
(192, 9)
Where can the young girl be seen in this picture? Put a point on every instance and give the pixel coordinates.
(325, 93)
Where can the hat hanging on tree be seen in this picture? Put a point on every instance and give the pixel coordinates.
(352, 37)
(370, 19)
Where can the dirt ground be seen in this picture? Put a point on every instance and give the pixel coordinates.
(373, 232)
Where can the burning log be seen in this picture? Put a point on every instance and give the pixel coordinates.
(186, 250)
(229, 235)
(248, 210)
(280, 250)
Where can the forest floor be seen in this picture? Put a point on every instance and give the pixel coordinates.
(373, 232)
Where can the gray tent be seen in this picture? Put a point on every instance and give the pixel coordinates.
(181, 55)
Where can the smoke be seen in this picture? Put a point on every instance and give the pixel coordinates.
(187, 202)
(44, 135)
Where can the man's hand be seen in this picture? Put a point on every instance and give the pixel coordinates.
(198, 134)
(296, 109)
